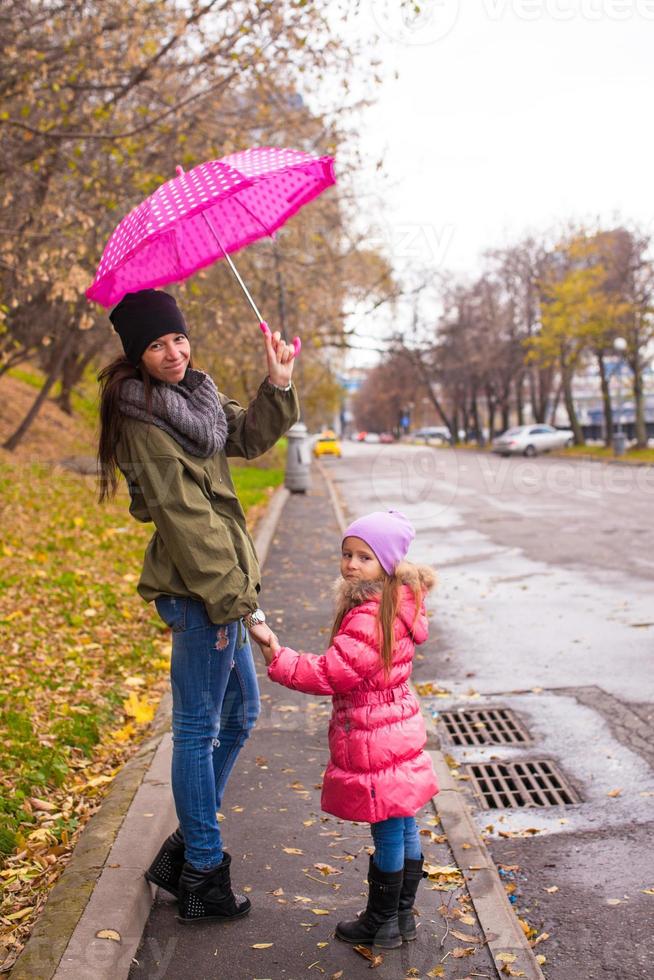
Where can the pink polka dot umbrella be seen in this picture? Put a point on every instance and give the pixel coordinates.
(201, 216)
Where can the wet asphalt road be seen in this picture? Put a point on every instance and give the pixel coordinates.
(545, 606)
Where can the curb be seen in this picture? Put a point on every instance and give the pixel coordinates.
(497, 919)
(103, 886)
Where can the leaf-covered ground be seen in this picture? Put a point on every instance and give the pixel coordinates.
(84, 663)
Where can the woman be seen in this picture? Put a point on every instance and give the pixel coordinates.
(169, 431)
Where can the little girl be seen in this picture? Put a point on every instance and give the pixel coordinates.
(378, 771)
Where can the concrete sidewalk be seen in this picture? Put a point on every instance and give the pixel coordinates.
(303, 870)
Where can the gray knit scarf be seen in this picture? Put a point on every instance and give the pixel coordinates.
(190, 411)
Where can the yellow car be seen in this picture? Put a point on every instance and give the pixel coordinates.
(327, 444)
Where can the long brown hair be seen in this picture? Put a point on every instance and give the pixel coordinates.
(386, 614)
(111, 378)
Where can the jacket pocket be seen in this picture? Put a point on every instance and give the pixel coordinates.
(172, 609)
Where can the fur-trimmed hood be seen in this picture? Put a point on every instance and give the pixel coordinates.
(411, 574)
(348, 595)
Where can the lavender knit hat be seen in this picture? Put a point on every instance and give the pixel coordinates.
(388, 533)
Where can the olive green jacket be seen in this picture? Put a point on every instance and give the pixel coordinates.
(201, 547)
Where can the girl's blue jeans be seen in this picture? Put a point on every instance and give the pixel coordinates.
(215, 706)
(395, 839)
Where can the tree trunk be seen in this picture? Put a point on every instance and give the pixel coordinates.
(555, 403)
(606, 400)
(17, 358)
(544, 377)
(519, 399)
(281, 293)
(491, 405)
(506, 414)
(476, 422)
(566, 381)
(16, 438)
(639, 404)
(533, 399)
(71, 373)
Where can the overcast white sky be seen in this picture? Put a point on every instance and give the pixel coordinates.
(507, 116)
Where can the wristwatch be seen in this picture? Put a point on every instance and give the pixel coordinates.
(255, 618)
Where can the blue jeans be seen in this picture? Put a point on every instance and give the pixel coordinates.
(215, 706)
(395, 839)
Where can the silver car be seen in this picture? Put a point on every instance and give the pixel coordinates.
(529, 440)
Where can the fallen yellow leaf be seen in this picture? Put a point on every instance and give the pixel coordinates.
(292, 850)
(320, 911)
(375, 960)
(15, 916)
(464, 937)
(261, 945)
(108, 934)
(327, 869)
(139, 709)
(615, 792)
(506, 957)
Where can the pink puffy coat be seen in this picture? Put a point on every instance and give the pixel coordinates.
(378, 767)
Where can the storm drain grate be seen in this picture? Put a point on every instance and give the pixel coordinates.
(484, 726)
(520, 784)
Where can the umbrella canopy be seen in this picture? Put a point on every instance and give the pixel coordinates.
(199, 216)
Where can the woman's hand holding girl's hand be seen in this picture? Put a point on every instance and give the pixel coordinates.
(267, 641)
(280, 356)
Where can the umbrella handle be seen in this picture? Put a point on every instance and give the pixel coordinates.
(297, 343)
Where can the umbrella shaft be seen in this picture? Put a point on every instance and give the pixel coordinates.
(234, 270)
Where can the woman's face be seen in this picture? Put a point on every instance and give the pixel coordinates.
(167, 357)
(359, 562)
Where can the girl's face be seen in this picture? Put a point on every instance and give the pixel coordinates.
(167, 357)
(359, 562)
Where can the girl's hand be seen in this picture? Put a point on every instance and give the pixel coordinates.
(280, 357)
(268, 642)
(269, 652)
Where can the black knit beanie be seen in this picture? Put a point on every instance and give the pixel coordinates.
(141, 317)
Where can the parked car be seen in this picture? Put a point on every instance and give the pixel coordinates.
(372, 437)
(437, 433)
(386, 437)
(529, 440)
(327, 444)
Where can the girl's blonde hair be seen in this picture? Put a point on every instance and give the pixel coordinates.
(388, 607)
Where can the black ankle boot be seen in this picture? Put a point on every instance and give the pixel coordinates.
(413, 875)
(378, 925)
(207, 895)
(167, 866)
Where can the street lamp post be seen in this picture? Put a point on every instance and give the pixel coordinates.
(619, 436)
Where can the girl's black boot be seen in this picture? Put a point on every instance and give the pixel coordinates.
(167, 866)
(378, 925)
(208, 896)
(413, 875)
